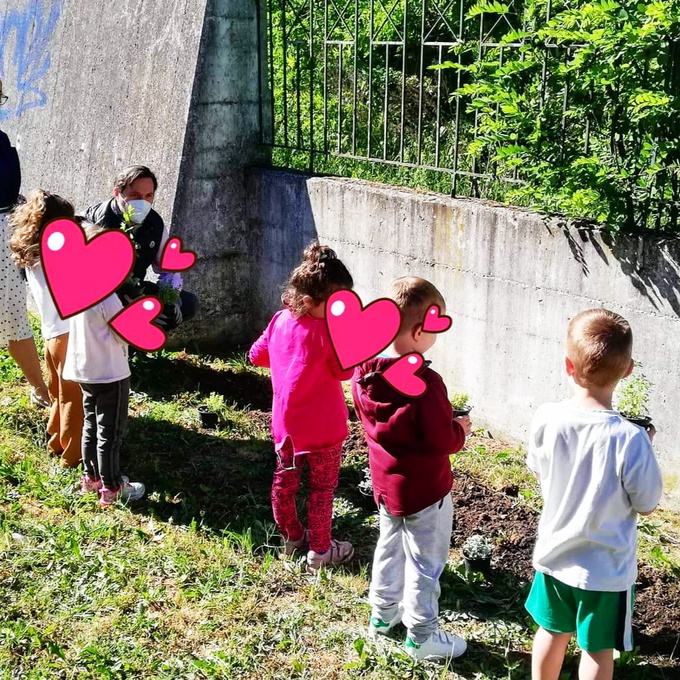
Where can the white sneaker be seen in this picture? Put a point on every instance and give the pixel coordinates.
(378, 626)
(438, 647)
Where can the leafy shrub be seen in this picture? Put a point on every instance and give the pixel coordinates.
(568, 107)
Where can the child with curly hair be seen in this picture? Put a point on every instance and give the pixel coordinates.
(65, 423)
(309, 413)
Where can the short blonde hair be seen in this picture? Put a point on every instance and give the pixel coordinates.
(600, 346)
(414, 296)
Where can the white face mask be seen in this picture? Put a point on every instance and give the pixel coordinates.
(140, 209)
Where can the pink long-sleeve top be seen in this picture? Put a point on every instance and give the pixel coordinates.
(309, 406)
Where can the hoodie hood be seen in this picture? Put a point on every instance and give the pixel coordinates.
(369, 380)
(409, 438)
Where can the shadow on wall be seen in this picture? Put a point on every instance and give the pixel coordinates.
(651, 263)
(652, 266)
(277, 235)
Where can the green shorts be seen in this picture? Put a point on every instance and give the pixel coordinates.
(601, 620)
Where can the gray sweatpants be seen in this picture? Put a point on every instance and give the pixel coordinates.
(409, 559)
(106, 412)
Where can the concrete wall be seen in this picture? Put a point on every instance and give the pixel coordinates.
(101, 84)
(512, 280)
(95, 86)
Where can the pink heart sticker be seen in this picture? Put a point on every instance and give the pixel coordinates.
(174, 259)
(359, 333)
(81, 273)
(401, 375)
(435, 322)
(133, 324)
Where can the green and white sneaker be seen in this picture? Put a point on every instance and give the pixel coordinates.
(378, 626)
(438, 647)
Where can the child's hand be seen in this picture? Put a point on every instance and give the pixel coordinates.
(651, 431)
(465, 422)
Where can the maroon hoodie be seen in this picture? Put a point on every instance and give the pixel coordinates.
(409, 439)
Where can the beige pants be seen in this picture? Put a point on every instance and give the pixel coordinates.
(65, 425)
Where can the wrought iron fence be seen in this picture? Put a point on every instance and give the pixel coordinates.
(380, 81)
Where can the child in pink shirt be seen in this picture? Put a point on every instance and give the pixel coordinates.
(309, 413)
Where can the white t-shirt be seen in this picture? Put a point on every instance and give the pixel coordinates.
(96, 353)
(597, 471)
(52, 325)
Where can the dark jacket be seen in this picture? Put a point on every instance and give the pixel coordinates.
(10, 172)
(148, 235)
(409, 439)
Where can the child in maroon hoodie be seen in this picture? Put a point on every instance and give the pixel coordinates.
(409, 442)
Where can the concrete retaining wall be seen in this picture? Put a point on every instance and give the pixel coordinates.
(512, 280)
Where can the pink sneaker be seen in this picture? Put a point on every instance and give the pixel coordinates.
(129, 491)
(301, 545)
(339, 553)
(89, 485)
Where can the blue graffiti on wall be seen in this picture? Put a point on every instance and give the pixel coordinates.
(30, 30)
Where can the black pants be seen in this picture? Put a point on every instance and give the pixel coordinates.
(106, 412)
(189, 303)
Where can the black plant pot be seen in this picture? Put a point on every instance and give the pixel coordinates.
(208, 417)
(459, 412)
(641, 421)
(480, 565)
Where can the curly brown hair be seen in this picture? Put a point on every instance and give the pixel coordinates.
(319, 275)
(30, 218)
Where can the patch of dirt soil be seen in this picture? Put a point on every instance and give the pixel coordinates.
(656, 620)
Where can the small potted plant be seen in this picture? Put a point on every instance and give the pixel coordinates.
(209, 410)
(169, 288)
(477, 551)
(631, 399)
(459, 402)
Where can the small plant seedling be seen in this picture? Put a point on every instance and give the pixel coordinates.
(632, 397)
(366, 484)
(459, 401)
(167, 293)
(214, 402)
(477, 547)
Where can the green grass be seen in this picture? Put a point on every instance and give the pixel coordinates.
(188, 584)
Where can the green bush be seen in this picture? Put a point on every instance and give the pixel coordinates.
(577, 103)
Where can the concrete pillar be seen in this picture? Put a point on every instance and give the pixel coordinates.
(222, 136)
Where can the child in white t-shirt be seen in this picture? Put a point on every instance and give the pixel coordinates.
(65, 424)
(597, 473)
(97, 358)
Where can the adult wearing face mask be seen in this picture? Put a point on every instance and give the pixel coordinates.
(15, 331)
(134, 191)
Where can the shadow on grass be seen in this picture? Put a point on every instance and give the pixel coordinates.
(192, 476)
(162, 377)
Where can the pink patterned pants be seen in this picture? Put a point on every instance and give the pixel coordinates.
(324, 468)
